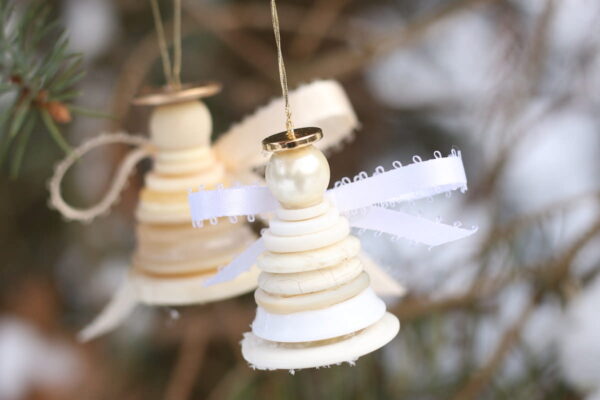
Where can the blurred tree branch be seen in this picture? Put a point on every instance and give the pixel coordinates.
(318, 20)
(346, 61)
(482, 377)
(195, 331)
(191, 353)
(549, 277)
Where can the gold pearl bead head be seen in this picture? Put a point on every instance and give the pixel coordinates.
(297, 174)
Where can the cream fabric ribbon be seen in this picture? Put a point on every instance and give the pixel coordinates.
(322, 103)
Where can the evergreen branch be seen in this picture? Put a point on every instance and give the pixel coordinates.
(6, 139)
(35, 64)
(17, 120)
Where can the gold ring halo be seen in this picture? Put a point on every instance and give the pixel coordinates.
(302, 137)
(169, 95)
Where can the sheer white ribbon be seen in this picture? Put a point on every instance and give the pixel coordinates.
(361, 199)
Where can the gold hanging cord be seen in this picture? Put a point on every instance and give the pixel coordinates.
(177, 44)
(172, 73)
(282, 74)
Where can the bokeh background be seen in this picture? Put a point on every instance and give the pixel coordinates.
(510, 313)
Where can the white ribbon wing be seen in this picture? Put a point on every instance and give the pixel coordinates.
(412, 182)
(237, 201)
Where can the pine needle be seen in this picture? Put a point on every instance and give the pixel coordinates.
(55, 132)
(90, 113)
(17, 159)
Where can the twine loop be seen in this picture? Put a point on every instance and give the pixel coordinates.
(143, 150)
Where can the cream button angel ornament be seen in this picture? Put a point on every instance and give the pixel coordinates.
(315, 303)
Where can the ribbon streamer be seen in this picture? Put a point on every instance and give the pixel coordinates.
(406, 226)
(359, 198)
(238, 265)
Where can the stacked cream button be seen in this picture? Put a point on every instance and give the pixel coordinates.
(172, 259)
(315, 304)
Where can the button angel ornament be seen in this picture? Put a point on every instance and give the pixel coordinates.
(315, 304)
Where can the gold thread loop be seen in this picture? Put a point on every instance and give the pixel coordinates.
(172, 71)
(162, 40)
(177, 44)
(282, 74)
